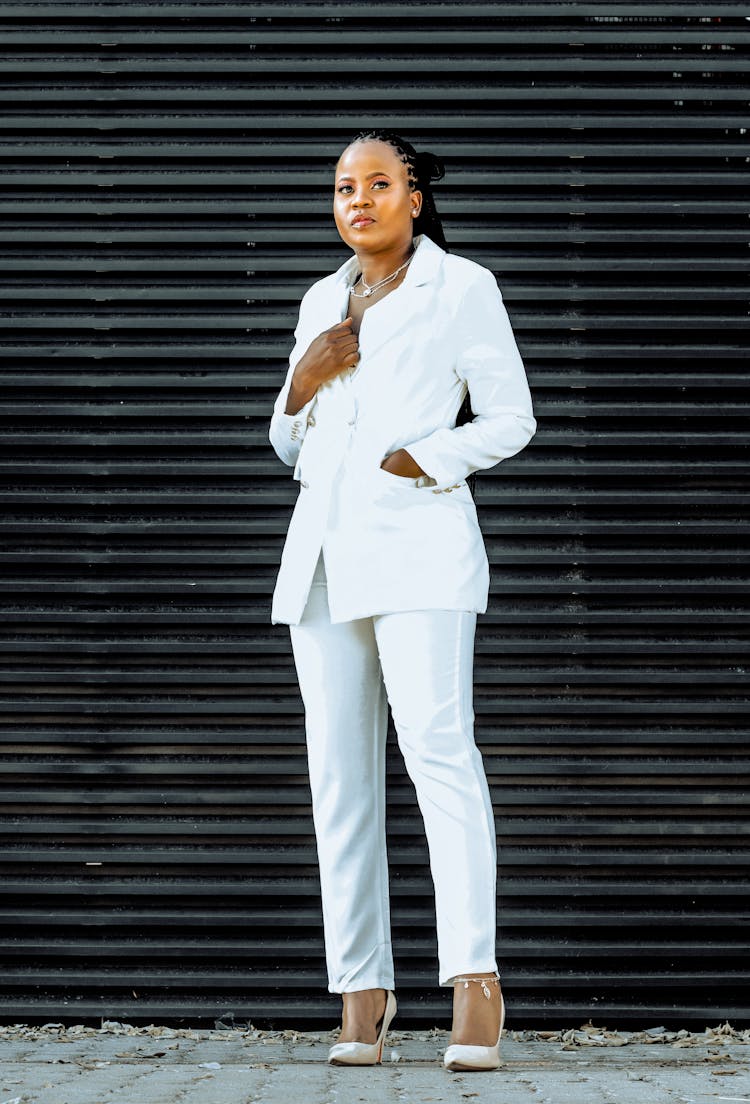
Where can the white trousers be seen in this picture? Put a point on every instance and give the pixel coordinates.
(421, 662)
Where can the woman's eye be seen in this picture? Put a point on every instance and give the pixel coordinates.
(385, 182)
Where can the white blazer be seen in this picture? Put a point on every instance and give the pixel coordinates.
(390, 542)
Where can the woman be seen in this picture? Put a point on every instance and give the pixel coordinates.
(384, 571)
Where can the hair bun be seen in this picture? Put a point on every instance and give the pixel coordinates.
(428, 167)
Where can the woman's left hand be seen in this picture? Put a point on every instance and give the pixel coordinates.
(401, 462)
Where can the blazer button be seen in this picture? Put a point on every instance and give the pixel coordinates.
(310, 420)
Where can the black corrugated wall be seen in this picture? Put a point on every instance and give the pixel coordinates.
(166, 198)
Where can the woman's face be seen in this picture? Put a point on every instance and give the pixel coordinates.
(371, 185)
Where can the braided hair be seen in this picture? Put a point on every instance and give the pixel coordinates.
(422, 168)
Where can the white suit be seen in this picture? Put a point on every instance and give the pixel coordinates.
(381, 580)
(392, 543)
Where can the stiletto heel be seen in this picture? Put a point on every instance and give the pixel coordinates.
(365, 1054)
(462, 1056)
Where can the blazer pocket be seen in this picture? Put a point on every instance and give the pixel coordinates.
(391, 479)
(408, 482)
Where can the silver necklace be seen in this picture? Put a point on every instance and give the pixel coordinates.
(375, 287)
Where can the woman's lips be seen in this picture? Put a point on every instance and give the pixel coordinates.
(363, 222)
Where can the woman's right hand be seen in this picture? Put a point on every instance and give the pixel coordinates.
(333, 351)
(330, 353)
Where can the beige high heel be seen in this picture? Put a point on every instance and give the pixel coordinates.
(365, 1054)
(463, 1056)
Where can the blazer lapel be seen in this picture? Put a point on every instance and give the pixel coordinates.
(389, 315)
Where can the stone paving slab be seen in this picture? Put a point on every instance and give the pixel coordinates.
(125, 1065)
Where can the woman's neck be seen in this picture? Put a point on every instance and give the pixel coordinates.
(376, 267)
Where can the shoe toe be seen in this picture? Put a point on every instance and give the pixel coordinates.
(465, 1056)
(352, 1054)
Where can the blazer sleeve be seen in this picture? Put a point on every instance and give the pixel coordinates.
(287, 431)
(491, 365)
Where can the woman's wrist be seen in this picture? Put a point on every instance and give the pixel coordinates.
(401, 462)
(301, 390)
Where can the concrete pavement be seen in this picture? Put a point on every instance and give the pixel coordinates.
(122, 1064)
